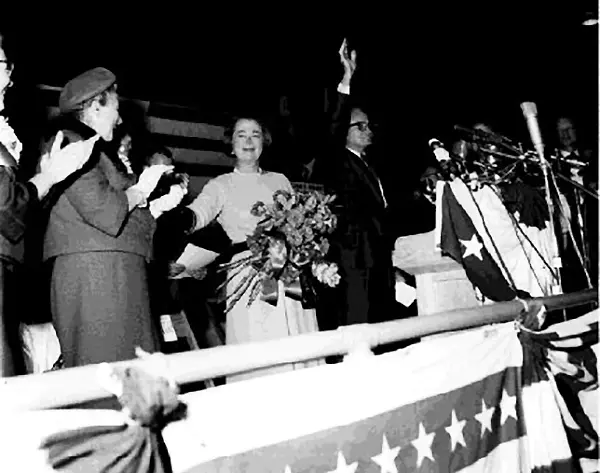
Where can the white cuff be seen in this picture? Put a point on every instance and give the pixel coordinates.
(343, 89)
(154, 209)
(140, 198)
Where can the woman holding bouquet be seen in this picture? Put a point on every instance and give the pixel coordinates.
(229, 199)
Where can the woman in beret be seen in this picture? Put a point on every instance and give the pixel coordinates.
(19, 201)
(99, 235)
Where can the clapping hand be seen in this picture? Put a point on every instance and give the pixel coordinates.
(150, 177)
(59, 163)
(169, 201)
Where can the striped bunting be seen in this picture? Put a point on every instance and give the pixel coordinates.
(458, 403)
(469, 402)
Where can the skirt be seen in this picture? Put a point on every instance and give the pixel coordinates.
(101, 308)
(263, 321)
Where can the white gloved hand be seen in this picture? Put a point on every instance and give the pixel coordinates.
(150, 177)
(168, 201)
(59, 163)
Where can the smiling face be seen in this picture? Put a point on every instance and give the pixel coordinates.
(102, 114)
(247, 140)
(359, 135)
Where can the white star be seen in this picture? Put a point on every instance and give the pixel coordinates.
(508, 406)
(423, 445)
(342, 466)
(485, 417)
(472, 247)
(456, 432)
(386, 458)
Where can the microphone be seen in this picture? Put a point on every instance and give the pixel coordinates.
(530, 113)
(441, 153)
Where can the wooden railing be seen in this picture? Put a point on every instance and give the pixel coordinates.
(77, 385)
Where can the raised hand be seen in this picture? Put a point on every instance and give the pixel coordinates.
(348, 59)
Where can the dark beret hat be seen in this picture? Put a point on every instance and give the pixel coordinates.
(85, 86)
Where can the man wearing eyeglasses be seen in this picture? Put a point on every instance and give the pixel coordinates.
(360, 245)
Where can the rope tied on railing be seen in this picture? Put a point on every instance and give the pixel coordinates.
(149, 399)
(358, 340)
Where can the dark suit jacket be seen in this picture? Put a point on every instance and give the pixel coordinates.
(89, 211)
(360, 244)
(362, 225)
(18, 203)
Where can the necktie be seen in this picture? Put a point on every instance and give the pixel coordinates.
(372, 176)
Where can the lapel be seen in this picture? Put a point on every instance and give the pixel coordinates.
(366, 175)
(115, 174)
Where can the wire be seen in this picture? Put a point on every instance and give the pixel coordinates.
(503, 264)
(516, 224)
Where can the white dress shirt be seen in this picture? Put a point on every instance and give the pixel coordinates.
(385, 204)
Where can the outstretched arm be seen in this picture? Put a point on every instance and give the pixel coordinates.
(340, 115)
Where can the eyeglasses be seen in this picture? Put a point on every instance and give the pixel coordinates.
(362, 126)
(7, 64)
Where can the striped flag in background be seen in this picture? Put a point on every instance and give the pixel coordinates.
(195, 138)
(465, 402)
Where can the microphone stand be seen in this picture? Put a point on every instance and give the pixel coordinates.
(577, 185)
(557, 262)
(582, 254)
(583, 258)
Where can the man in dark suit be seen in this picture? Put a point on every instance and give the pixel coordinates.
(361, 245)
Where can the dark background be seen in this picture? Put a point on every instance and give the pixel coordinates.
(423, 67)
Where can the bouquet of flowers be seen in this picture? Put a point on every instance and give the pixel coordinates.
(289, 245)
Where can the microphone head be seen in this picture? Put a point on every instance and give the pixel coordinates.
(529, 108)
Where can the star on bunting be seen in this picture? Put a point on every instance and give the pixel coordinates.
(342, 466)
(456, 431)
(485, 417)
(386, 458)
(472, 247)
(423, 445)
(508, 406)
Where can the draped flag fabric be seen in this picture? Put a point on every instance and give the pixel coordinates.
(486, 399)
(523, 254)
(459, 239)
(570, 352)
(464, 402)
